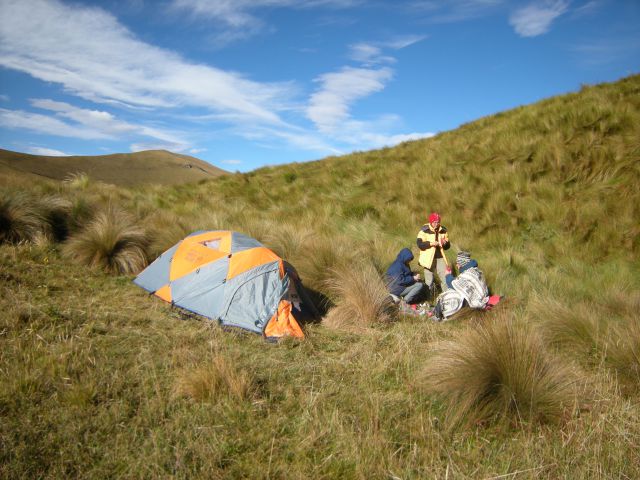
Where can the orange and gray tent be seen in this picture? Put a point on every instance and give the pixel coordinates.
(228, 277)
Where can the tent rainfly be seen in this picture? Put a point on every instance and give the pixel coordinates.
(228, 277)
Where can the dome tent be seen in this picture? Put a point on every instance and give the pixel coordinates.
(228, 277)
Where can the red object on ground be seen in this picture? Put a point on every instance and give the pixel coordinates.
(493, 301)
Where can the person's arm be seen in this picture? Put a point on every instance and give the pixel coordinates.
(406, 278)
(424, 244)
(449, 279)
(444, 239)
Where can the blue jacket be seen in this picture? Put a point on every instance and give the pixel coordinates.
(449, 278)
(399, 275)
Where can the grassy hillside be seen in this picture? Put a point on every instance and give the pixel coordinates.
(100, 380)
(124, 169)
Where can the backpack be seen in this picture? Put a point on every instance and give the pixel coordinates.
(449, 303)
(473, 287)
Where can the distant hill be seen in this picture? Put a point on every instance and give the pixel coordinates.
(124, 169)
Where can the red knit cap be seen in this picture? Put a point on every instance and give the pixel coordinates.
(434, 217)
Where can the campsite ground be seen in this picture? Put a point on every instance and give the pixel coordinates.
(101, 380)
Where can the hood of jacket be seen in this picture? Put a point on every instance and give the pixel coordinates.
(404, 256)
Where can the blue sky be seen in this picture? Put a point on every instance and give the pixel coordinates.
(248, 83)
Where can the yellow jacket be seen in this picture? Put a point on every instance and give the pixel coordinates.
(426, 236)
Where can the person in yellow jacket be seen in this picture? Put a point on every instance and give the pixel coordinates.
(432, 240)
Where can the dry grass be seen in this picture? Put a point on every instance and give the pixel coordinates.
(361, 299)
(499, 370)
(110, 241)
(623, 354)
(219, 379)
(576, 329)
(21, 218)
(77, 181)
(89, 388)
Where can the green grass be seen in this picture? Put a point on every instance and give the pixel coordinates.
(97, 379)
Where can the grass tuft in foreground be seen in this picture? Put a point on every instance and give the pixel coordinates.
(499, 370)
(110, 241)
(21, 218)
(623, 354)
(361, 298)
(215, 381)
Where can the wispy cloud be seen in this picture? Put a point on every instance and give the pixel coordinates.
(238, 19)
(536, 18)
(104, 62)
(404, 41)
(78, 123)
(371, 53)
(48, 125)
(454, 10)
(329, 106)
(368, 54)
(373, 134)
(48, 152)
(239, 13)
(604, 51)
(142, 146)
(107, 124)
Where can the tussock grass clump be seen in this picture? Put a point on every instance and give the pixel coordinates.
(77, 181)
(361, 298)
(110, 241)
(499, 370)
(217, 380)
(57, 213)
(574, 329)
(623, 354)
(21, 218)
(288, 240)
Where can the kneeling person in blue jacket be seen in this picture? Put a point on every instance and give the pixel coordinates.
(401, 281)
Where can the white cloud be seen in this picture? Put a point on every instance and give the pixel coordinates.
(195, 151)
(105, 123)
(231, 162)
(48, 152)
(4, 98)
(236, 20)
(363, 52)
(404, 41)
(102, 61)
(371, 53)
(603, 51)
(173, 147)
(372, 134)
(454, 10)
(329, 106)
(536, 19)
(237, 13)
(35, 122)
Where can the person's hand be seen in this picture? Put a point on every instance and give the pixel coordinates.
(448, 269)
(416, 277)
